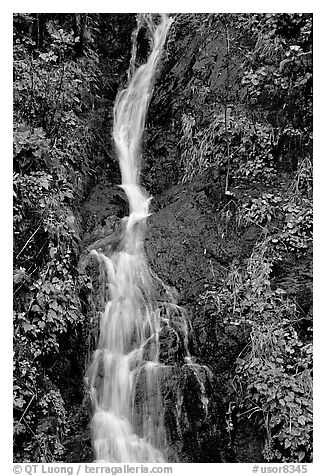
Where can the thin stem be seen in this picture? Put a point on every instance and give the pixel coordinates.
(28, 241)
(26, 408)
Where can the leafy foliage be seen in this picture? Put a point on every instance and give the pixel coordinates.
(273, 375)
(275, 387)
(54, 94)
(253, 112)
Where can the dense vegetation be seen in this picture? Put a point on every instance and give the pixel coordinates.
(238, 104)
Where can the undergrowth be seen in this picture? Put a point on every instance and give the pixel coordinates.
(272, 382)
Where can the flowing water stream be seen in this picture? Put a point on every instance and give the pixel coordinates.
(127, 372)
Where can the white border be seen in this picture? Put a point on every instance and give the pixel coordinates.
(319, 199)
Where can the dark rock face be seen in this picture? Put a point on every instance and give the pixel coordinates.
(191, 82)
(187, 243)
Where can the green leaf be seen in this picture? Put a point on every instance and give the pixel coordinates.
(19, 402)
(36, 308)
(44, 183)
(51, 316)
(27, 327)
(301, 420)
(287, 443)
(53, 251)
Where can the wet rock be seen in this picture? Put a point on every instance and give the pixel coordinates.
(188, 243)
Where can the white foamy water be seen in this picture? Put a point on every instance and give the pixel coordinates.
(126, 376)
(128, 423)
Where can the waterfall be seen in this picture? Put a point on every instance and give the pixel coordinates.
(128, 373)
(128, 421)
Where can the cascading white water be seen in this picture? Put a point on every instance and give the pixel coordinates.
(124, 377)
